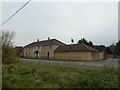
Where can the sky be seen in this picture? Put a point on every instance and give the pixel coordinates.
(94, 21)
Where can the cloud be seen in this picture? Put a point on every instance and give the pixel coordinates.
(94, 21)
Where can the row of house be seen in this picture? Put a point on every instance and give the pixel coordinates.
(53, 48)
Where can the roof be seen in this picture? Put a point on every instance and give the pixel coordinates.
(18, 47)
(45, 43)
(75, 48)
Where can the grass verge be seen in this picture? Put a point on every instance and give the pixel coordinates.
(33, 75)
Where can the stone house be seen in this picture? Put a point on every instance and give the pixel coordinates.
(42, 49)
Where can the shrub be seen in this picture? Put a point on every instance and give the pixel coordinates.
(8, 55)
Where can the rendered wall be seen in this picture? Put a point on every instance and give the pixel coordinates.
(74, 55)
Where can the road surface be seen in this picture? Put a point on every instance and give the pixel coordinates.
(110, 63)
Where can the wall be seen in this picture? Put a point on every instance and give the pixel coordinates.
(95, 55)
(42, 51)
(46, 49)
(74, 55)
(33, 54)
(101, 55)
(27, 52)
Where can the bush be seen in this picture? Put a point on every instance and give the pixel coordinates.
(8, 55)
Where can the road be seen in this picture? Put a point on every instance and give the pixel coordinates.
(110, 63)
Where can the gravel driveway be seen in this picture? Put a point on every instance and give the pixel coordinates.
(110, 63)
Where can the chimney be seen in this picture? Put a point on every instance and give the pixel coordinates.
(48, 38)
(37, 40)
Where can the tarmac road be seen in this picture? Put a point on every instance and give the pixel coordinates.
(110, 63)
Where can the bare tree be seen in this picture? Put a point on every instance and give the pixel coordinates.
(7, 38)
(8, 52)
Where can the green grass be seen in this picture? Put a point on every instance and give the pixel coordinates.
(33, 75)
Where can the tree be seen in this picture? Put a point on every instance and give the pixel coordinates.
(90, 44)
(7, 38)
(101, 48)
(117, 48)
(8, 52)
(108, 50)
(83, 40)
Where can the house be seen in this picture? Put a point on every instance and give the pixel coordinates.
(78, 52)
(19, 51)
(42, 49)
(53, 48)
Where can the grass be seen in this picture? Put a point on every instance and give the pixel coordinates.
(33, 75)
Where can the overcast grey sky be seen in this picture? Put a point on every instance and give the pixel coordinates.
(95, 21)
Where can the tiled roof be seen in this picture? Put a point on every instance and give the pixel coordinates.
(75, 48)
(45, 43)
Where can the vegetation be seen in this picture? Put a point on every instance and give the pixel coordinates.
(83, 40)
(33, 75)
(8, 55)
(8, 52)
(114, 50)
(117, 48)
(109, 50)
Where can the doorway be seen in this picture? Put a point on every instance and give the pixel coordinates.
(48, 55)
(36, 54)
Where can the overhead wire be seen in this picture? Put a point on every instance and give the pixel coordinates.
(15, 13)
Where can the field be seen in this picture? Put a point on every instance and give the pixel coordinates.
(36, 75)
